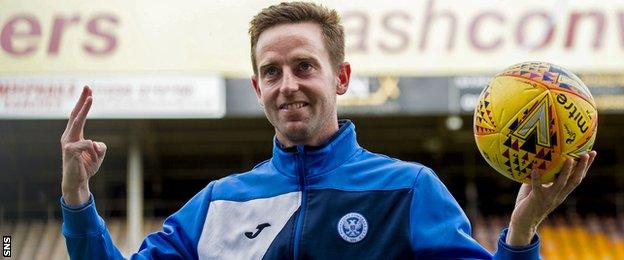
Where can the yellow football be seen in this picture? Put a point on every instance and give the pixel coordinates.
(534, 114)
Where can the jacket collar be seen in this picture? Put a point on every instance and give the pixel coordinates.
(317, 159)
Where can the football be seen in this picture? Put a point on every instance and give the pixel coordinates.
(534, 114)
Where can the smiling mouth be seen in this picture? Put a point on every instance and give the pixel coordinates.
(295, 105)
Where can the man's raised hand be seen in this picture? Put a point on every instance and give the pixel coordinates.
(81, 157)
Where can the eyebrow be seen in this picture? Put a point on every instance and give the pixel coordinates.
(305, 58)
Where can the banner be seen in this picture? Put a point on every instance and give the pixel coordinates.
(148, 96)
(420, 95)
(406, 38)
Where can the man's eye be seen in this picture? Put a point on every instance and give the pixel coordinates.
(272, 71)
(305, 66)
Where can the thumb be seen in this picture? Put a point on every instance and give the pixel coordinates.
(536, 178)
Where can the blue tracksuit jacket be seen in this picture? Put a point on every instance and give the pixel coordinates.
(336, 201)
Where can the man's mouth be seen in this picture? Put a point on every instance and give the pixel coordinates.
(293, 105)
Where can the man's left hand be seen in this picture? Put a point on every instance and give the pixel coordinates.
(536, 200)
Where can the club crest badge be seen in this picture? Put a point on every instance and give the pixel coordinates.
(352, 227)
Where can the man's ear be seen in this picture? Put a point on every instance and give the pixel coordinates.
(344, 75)
(256, 87)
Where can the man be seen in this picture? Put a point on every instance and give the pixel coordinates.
(321, 195)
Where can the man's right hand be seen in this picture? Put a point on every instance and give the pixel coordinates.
(81, 158)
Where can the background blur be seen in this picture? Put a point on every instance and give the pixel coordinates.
(173, 102)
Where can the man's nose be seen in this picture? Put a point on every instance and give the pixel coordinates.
(289, 83)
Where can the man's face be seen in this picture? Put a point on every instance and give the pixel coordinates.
(296, 83)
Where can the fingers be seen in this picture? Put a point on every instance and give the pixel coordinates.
(564, 175)
(92, 152)
(592, 156)
(77, 148)
(536, 183)
(577, 176)
(86, 91)
(76, 129)
(100, 148)
(535, 178)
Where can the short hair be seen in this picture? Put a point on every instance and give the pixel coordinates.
(298, 12)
